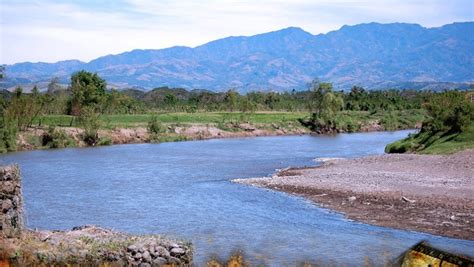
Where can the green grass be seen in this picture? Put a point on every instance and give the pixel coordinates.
(452, 143)
(439, 143)
(405, 119)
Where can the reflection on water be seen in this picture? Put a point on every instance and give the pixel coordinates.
(184, 190)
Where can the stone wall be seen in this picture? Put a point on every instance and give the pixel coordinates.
(11, 202)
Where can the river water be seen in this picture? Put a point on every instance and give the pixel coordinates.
(183, 190)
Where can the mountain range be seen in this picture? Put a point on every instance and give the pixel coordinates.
(372, 55)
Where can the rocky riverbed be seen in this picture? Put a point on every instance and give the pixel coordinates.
(429, 193)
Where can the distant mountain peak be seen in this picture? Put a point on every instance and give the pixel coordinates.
(293, 29)
(374, 55)
(377, 26)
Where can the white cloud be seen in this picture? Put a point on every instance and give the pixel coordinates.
(52, 30)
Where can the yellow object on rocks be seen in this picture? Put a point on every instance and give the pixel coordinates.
(422, 255)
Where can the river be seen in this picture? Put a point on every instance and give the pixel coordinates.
(183, 190)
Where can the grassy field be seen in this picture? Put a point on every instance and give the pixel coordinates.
(440, 143)
(403, 118)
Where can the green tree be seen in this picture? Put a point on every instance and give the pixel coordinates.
(449, 111)
(171, 101)
(231, 98)
(317, 95)
(325, 104)
(88, 102)
(8, 125)
(88, 90)
(357, 99)
(8, 132)
(37, 104)
(120, 103)
(271, 100)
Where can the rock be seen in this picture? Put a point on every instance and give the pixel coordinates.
(159, 261)
(174, 245)
(137, 256)
(8, 187)
(112, 256)
(447, 224)
(152, 244)
(144, 264)
(73, 251)
(405, 199)
(82, 227)
(146, 256)
(162, 252)
(6, 205)
(351, 199)
(141, 249)
(16, 201)
(177, 251)
(132, 248)
(453, 218)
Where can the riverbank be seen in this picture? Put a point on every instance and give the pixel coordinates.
(34, 138)
(92, 246)
(65, 131)
(82, 246)
(428, 193)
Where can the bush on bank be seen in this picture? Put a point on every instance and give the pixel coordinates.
(449, 127)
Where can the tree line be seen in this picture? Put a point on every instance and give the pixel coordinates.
(88, 89)
(87, 98)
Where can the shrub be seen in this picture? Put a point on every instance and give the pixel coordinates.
(155, 126)
(346, 123)
(390, 121)
(56, 138)
(90, 122)
(400, 146)
(34, 140)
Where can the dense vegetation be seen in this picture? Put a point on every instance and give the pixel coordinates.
(88, 104)
(449, 127)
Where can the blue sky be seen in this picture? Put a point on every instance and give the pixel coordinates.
(53, 30)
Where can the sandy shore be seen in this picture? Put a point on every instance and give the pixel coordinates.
(428, 193)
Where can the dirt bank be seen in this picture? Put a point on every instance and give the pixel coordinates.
(32, 138)
(428, 193)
